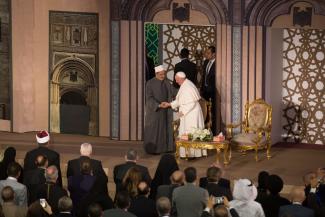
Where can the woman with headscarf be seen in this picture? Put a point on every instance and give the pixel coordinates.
(9, 157)
(244, 203)
(261, 188)
(166, 166)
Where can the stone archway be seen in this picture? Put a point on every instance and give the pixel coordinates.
(73, 74)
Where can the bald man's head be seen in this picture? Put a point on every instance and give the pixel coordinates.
(7, 194)
(177, 177)
(220, 211)
(298, 194)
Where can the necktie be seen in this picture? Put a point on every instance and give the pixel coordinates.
(207, 72)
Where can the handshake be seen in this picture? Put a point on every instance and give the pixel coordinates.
(164, 105)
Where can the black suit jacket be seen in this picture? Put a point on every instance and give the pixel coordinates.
(188, 68)
(222, 183)
(64, 215)
(52, 156)
(120, 171)
(218, 191)
(272, 203)
(296, 211)
(232, 212)
(143, 207)
(33, 179)
(209, 91)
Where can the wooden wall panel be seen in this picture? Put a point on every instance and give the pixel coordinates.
(251, 62)
(259, 62)
(133, 80)
(140, 80)
(245, 55)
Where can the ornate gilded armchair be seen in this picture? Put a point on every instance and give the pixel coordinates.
(255, 129)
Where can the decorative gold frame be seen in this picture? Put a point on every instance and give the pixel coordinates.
(266, 130)
(218, 146)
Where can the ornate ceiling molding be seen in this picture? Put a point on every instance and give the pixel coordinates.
(145, 10)
(264, 12)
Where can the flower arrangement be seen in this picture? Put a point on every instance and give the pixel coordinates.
(201, 135)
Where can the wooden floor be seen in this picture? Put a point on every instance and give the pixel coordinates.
(289, 163)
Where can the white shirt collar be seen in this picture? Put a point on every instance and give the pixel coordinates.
(12, 178)
(297, 203)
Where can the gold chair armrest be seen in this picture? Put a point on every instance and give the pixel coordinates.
(230, 127)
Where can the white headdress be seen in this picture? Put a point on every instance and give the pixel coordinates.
(42, 137)
(159, 68)
(244, 190)
(181, 74)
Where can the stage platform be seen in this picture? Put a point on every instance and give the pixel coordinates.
(289, 162)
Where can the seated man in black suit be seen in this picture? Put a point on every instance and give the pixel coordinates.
(142, 205)
(34, 178)
(51, 191)
(177, 179)
(43, 138)
(123, 202)
(216, 173)
(186, 66)
(214, 187)
(120, 170)
(296, 209)
(65, 207)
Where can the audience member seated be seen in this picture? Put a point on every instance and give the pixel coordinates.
(130, 182)
(318, 188)
(9, 156)
(96, 195)
(95, 210)
(51, 191)
(296, 209)
(244, 203)
(10, 209)
(36, 210)
(43, 138)
(65, 206)
(142, 206)
(213, 186)
(308, 177)
(217, 172)
(272, 202)
(80, 185)
(85, 152)
(190, 200)
(123, 201)
(313, 199)
(177, 179)
(163, 207)
(261, 188)
(13, 171)
(219, 209)
(35, 177)
(131, 159)
(166, 166)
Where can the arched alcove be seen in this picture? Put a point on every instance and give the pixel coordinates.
(73, 79)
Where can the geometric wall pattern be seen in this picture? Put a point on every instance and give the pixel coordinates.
(152, 41)
(176, 37)
(303, 92)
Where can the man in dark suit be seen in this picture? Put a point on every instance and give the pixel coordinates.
(9, 208)
(65, 207)
(142, 205)
(190, 200)
(123, 202)
(214, 173)
(177, 179)
(296, 209)
(96, 165)
(163, 207)
(53, 157)
(208, 86)
(219, 210)
(120, 170)
(35, 177)
(51, 191)
(186, 66)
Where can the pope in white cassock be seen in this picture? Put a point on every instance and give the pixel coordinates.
(189, 110)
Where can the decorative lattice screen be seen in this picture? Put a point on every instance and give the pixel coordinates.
(303, 85)
(152, 41)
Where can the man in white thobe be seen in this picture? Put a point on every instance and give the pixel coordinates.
(190, 112)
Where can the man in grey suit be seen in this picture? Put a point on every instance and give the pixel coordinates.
(296, 209)
(190, 200)
(20, 190)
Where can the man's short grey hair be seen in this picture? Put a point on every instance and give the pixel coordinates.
(65, 204)
(163, 206)
(51, 173)
(86, 149)
(131, 154)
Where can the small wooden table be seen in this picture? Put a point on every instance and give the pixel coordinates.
(218, 146)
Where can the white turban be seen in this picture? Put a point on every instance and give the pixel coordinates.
(42, 137)
(244, 190)
(181, 74)
(159, 68)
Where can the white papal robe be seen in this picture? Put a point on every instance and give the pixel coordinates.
(187, 100)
